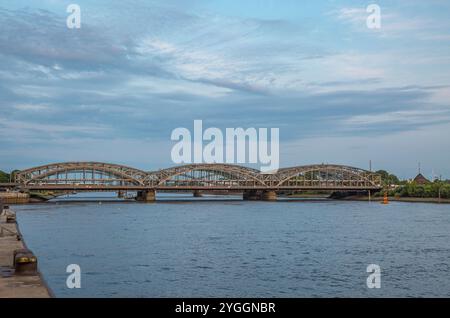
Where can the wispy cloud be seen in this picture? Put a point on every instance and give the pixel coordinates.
(31, 107)
(410, 117)
(24, 127)
(394, 22)
(133, 73)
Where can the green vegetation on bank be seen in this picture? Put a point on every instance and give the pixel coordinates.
(4, 177)
(408, 189)
(412, 190)
(388, 179)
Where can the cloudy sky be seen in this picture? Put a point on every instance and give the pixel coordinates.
(115, 89)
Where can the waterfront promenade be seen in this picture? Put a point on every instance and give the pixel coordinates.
(13, 285)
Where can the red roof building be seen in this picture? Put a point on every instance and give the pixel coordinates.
(420, 179)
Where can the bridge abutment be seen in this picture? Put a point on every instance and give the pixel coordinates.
(146, 196)
(254, 195)
(197, 194)
(268, 196)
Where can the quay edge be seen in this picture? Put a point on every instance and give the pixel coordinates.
(12, 283)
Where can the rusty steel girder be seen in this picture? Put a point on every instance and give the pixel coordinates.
(102, 175)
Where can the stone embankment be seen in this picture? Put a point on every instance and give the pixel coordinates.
(19, 275)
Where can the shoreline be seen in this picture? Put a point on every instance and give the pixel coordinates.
(373, 198)
(14, 285)
(397, 199)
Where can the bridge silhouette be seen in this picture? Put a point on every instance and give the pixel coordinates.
(98, 176)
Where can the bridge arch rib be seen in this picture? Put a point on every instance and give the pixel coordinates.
(81, 173)
(208, 175)
(327, 176)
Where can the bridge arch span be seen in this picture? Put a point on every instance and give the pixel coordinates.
(95, 173)
(327, 176)
(210, 175)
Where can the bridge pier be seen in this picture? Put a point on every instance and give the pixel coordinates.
(254, 195)
(268, 196)
(146, 196)
(250, 195)
(197, 194)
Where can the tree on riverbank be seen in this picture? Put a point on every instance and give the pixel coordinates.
(388, 179)
(4, 177)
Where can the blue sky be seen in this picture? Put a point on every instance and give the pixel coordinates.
(116, 88)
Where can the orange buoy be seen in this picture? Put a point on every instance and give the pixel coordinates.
(385, 199)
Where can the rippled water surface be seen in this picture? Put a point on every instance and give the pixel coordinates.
(223, 248)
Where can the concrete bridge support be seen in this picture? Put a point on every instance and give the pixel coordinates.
(197, 194)
(146, 196)
(269, 196)
(253, 195)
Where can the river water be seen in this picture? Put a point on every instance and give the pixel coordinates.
(225, 247)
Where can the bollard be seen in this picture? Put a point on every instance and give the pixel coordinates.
(10, 215)
(25, 262)
(11, 218)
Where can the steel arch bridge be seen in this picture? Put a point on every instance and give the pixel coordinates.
(81, 173)
(98, 176)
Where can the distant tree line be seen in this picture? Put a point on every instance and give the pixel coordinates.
(404, 188)
(432, 190)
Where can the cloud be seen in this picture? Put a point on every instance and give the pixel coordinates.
(34, 128)
(410, 117)
(133, 73)
(399, 152)
(356, 16)
(31, 107)
(395, 22)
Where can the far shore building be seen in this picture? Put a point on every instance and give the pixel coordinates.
(421, 180)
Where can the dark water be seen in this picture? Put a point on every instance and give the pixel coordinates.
(241, 249)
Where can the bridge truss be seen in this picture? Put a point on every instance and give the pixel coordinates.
(97, 176)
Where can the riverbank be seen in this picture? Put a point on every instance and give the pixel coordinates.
(373, 198)
(396, 199)
(13, 285)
